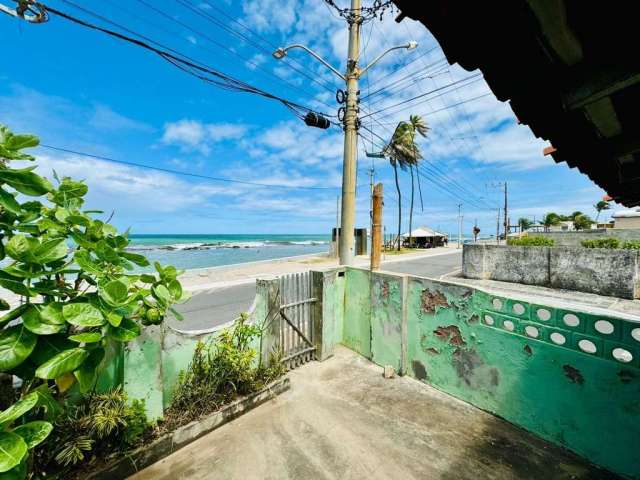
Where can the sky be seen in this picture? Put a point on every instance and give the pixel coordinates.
(81, 90)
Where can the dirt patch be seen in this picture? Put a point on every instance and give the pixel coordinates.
(450, 334)
(419, 370)
(527, 350)
(573, 374)
(465, 362)
(432, 300)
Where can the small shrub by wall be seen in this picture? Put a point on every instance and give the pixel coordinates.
(533, 241)
(601, 243)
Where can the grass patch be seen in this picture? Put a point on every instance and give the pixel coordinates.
(531, 241)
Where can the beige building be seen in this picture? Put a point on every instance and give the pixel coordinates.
(627, 219)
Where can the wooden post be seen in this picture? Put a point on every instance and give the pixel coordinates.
(376, 227)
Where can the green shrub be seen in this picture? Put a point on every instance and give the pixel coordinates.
(601, 243)
(219, 372)
(631, 245)
(531, 241)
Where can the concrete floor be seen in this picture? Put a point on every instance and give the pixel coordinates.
(342, 420)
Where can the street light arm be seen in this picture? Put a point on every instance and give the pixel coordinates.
(408, 46)
(283, 52)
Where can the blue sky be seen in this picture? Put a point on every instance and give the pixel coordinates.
(81, 90)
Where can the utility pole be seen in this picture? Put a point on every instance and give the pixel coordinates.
(506, 217)
(347, 225)
(459, 225)
(498, 228)
(337, 226)
(376, 227)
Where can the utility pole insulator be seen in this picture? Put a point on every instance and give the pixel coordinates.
(313, 119)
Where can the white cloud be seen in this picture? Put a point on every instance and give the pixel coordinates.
(105, 118)
(192, 135)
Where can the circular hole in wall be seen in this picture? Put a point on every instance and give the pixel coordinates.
(558, 338)
(518, 308)
(622, 355)
(635, 333)
(543, 314)
(603, 326)
(497, 303)
(587, 346)
(571, 320)
(531, 331)
(488, 319)
(508, 325)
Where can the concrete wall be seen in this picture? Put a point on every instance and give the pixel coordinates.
(573, 239)
(501, 355)
(608, 272)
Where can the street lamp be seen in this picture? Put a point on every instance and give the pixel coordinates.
(351, 77)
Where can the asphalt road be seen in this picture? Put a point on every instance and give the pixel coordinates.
(208, 308)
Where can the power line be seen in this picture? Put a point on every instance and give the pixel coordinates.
(185, 174)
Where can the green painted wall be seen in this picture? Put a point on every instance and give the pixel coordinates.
(332, 310)
(481, 349)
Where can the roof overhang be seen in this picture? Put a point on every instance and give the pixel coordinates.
(569, 69)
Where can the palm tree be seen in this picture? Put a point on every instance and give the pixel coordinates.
(524, 223)
(582, 222)
(549, 220)
(405, 153)
(600, 206)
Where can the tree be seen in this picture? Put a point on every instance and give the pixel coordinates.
(403, 152)
(80, 298)
(524, 223)
(582, 222)
(549, 220)
(600, 206)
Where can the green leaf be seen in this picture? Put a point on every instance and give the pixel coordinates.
(86, 337)
(4, 305)
(78, 220)
(127, 331)
(51, 250)
(26, 182)
(176, 314)
(22, 248)
(162, 294)
(51, 313)
(84, 261)
(87, 374)
(18, 409)
(19, 472)
(175, 288)
(114, 293)
(16, 344)
(82, 315)
(62, 214)
(138, 259)
(35, 323)
(51, 407)
(14, 284)
(18, 142)
(9, 202)
(49, 346)
(13, 314)
(146, 278)
(12, 450)
(114, 318)
(105, 252)
(64, 362)
(34, 433)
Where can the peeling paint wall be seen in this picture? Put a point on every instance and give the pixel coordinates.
(528, 363)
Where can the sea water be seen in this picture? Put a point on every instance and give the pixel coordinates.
(201, 251)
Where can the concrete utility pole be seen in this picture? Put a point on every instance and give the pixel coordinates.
(350, 122)
(498, 228)
(376, 227)
(506, 217)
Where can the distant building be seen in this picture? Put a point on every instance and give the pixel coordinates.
(563, 226)
(424, 237)
(627, 219)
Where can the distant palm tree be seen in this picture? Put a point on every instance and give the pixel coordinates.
(524, 223)
(582, 222)
(600, 206)
(403, 152)
(549, 220)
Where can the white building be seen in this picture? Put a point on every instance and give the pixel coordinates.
(563, 226)
(627, 218)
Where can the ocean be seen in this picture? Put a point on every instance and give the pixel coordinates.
(201, 251)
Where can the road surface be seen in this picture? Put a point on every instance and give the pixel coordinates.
(211, 307)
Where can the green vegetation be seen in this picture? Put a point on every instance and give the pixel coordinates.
(600, 206)
(219, 372)
(88, 432)
(631, 245)
(601, 243)
(73, 272)
(524, 223)
(531, 241)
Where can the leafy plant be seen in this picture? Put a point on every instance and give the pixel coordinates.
(631, 245)
(100, 425)
(219, 372)
(601, 243)
(531, 241)
(600, 206)
(76, 278)
(582, 222)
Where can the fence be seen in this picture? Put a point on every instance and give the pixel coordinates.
(297, 316)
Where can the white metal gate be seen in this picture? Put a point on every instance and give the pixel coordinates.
(297, 319)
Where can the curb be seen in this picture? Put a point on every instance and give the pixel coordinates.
(166, 445)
